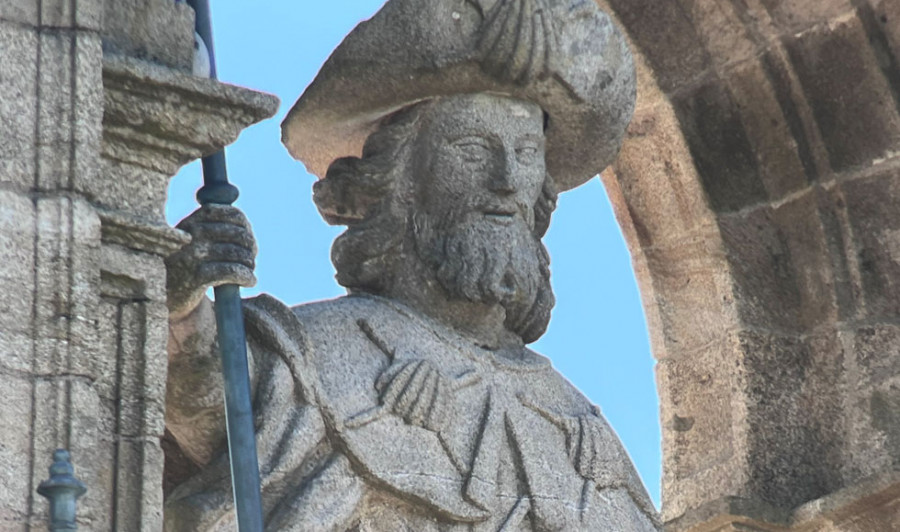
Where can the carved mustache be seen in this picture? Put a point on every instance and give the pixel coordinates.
(508, 210)
(505, 211)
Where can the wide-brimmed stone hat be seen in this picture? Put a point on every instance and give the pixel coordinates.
(564, 55)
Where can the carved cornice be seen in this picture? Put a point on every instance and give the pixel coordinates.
(160, 119)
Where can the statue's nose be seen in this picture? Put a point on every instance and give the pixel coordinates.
(502, 180)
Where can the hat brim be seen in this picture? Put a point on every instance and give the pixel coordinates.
(415, 50)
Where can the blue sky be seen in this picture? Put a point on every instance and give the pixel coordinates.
(597, 336)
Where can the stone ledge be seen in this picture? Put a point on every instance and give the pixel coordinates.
(874, 500)
(160, 119)
(864, 507)
(140, 235)
(729, 511)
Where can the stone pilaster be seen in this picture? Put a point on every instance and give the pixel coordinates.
(89, 142)
(50, 76)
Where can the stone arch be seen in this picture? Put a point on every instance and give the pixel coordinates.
(758, 191)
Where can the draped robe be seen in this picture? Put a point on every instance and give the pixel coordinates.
(492, 442)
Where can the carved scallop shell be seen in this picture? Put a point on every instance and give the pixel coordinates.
(517, 41)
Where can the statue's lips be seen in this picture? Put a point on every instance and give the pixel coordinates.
(501, 215)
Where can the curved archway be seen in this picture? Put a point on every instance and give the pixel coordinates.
(757, 189)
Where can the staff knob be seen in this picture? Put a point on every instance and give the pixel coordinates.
(62, 489)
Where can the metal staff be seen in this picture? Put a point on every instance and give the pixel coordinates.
(62, 489)
(232, 341)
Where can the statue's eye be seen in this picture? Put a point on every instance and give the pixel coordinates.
(473, 151)
(527, 154)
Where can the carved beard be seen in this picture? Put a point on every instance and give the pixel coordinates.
(478, 260)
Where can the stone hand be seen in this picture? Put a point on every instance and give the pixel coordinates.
(222, 251)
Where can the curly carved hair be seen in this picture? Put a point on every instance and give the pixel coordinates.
(370, 196)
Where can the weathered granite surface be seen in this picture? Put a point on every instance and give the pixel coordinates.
(413, 403)
(757, 189)
(88, 143)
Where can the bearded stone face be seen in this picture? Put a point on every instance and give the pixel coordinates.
(458, 184)
(479, 169)
(478, 262)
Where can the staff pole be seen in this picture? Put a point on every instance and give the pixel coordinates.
(232, 340)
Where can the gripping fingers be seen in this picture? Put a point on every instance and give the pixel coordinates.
(222, 251)
(225, 252)
(224, 233)
(219, 273)
(213, 213)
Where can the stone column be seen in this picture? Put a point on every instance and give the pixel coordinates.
(98, 111)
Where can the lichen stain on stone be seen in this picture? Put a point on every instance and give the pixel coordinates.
(682, 424)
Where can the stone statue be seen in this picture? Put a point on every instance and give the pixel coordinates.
(413, 403)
